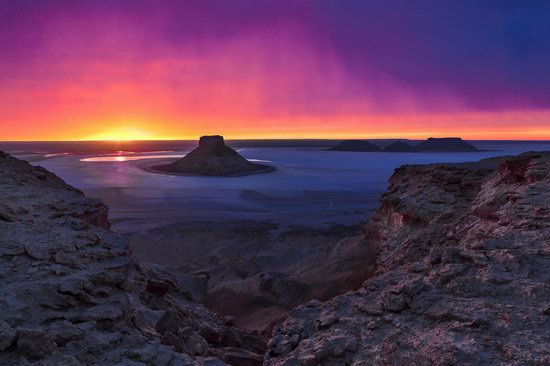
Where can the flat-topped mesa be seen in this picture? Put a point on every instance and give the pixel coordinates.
(211, 146)
(213, 158)
(446, 144)
(355, 145)
(211, 141)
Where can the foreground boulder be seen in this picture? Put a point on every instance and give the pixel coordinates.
(449, 144)
(70, 293)
(213, 157)
(462, 276)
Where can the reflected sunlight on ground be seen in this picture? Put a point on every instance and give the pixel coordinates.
(120, 158)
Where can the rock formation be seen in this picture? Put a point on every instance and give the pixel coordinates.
(450, 144)
(463, 268)
(214, 158)
(256, 271)
(355, 145)
(399, 146)
(462, 274)
(70, 293)
(447, 144)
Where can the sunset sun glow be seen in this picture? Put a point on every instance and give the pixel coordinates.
(285, 69)
(121, 134)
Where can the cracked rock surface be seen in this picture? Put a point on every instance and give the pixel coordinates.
(70, 293)
(463, 275)
(462, 278)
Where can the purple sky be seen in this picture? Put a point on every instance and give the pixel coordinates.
(253, 60)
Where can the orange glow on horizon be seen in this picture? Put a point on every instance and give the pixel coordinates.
(121, 134)
(121, 77)
(472, 126)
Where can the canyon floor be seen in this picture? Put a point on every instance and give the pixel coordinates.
(256, 271)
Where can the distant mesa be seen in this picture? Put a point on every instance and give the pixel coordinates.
(213, 158)
(355, 145)
(400, 146)
(446, 144)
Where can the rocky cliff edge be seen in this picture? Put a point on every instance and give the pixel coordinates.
(463, 275)
(70, 293)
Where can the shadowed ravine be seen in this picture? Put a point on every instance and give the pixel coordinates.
(256, 271)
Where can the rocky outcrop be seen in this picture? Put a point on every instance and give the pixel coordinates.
(72, 295)
(355, 145)
(213, 158)
(463, 273)
(449, 144)
(399, 146)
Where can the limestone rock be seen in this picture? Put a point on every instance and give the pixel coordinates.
(70, 293)
(35, 342)
(462, 275)
(159, 288)
(7, 336)
(64, 331)
(236, 356)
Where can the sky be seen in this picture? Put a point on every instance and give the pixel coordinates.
(177, 69)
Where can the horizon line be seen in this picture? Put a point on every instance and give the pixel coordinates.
(267, 139)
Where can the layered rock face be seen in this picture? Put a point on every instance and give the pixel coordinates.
(213, 157)
(71, 295)
(463, 274)
(449, 144)
(355, 145)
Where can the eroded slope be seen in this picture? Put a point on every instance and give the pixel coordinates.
(463, 275)
(70, 293)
